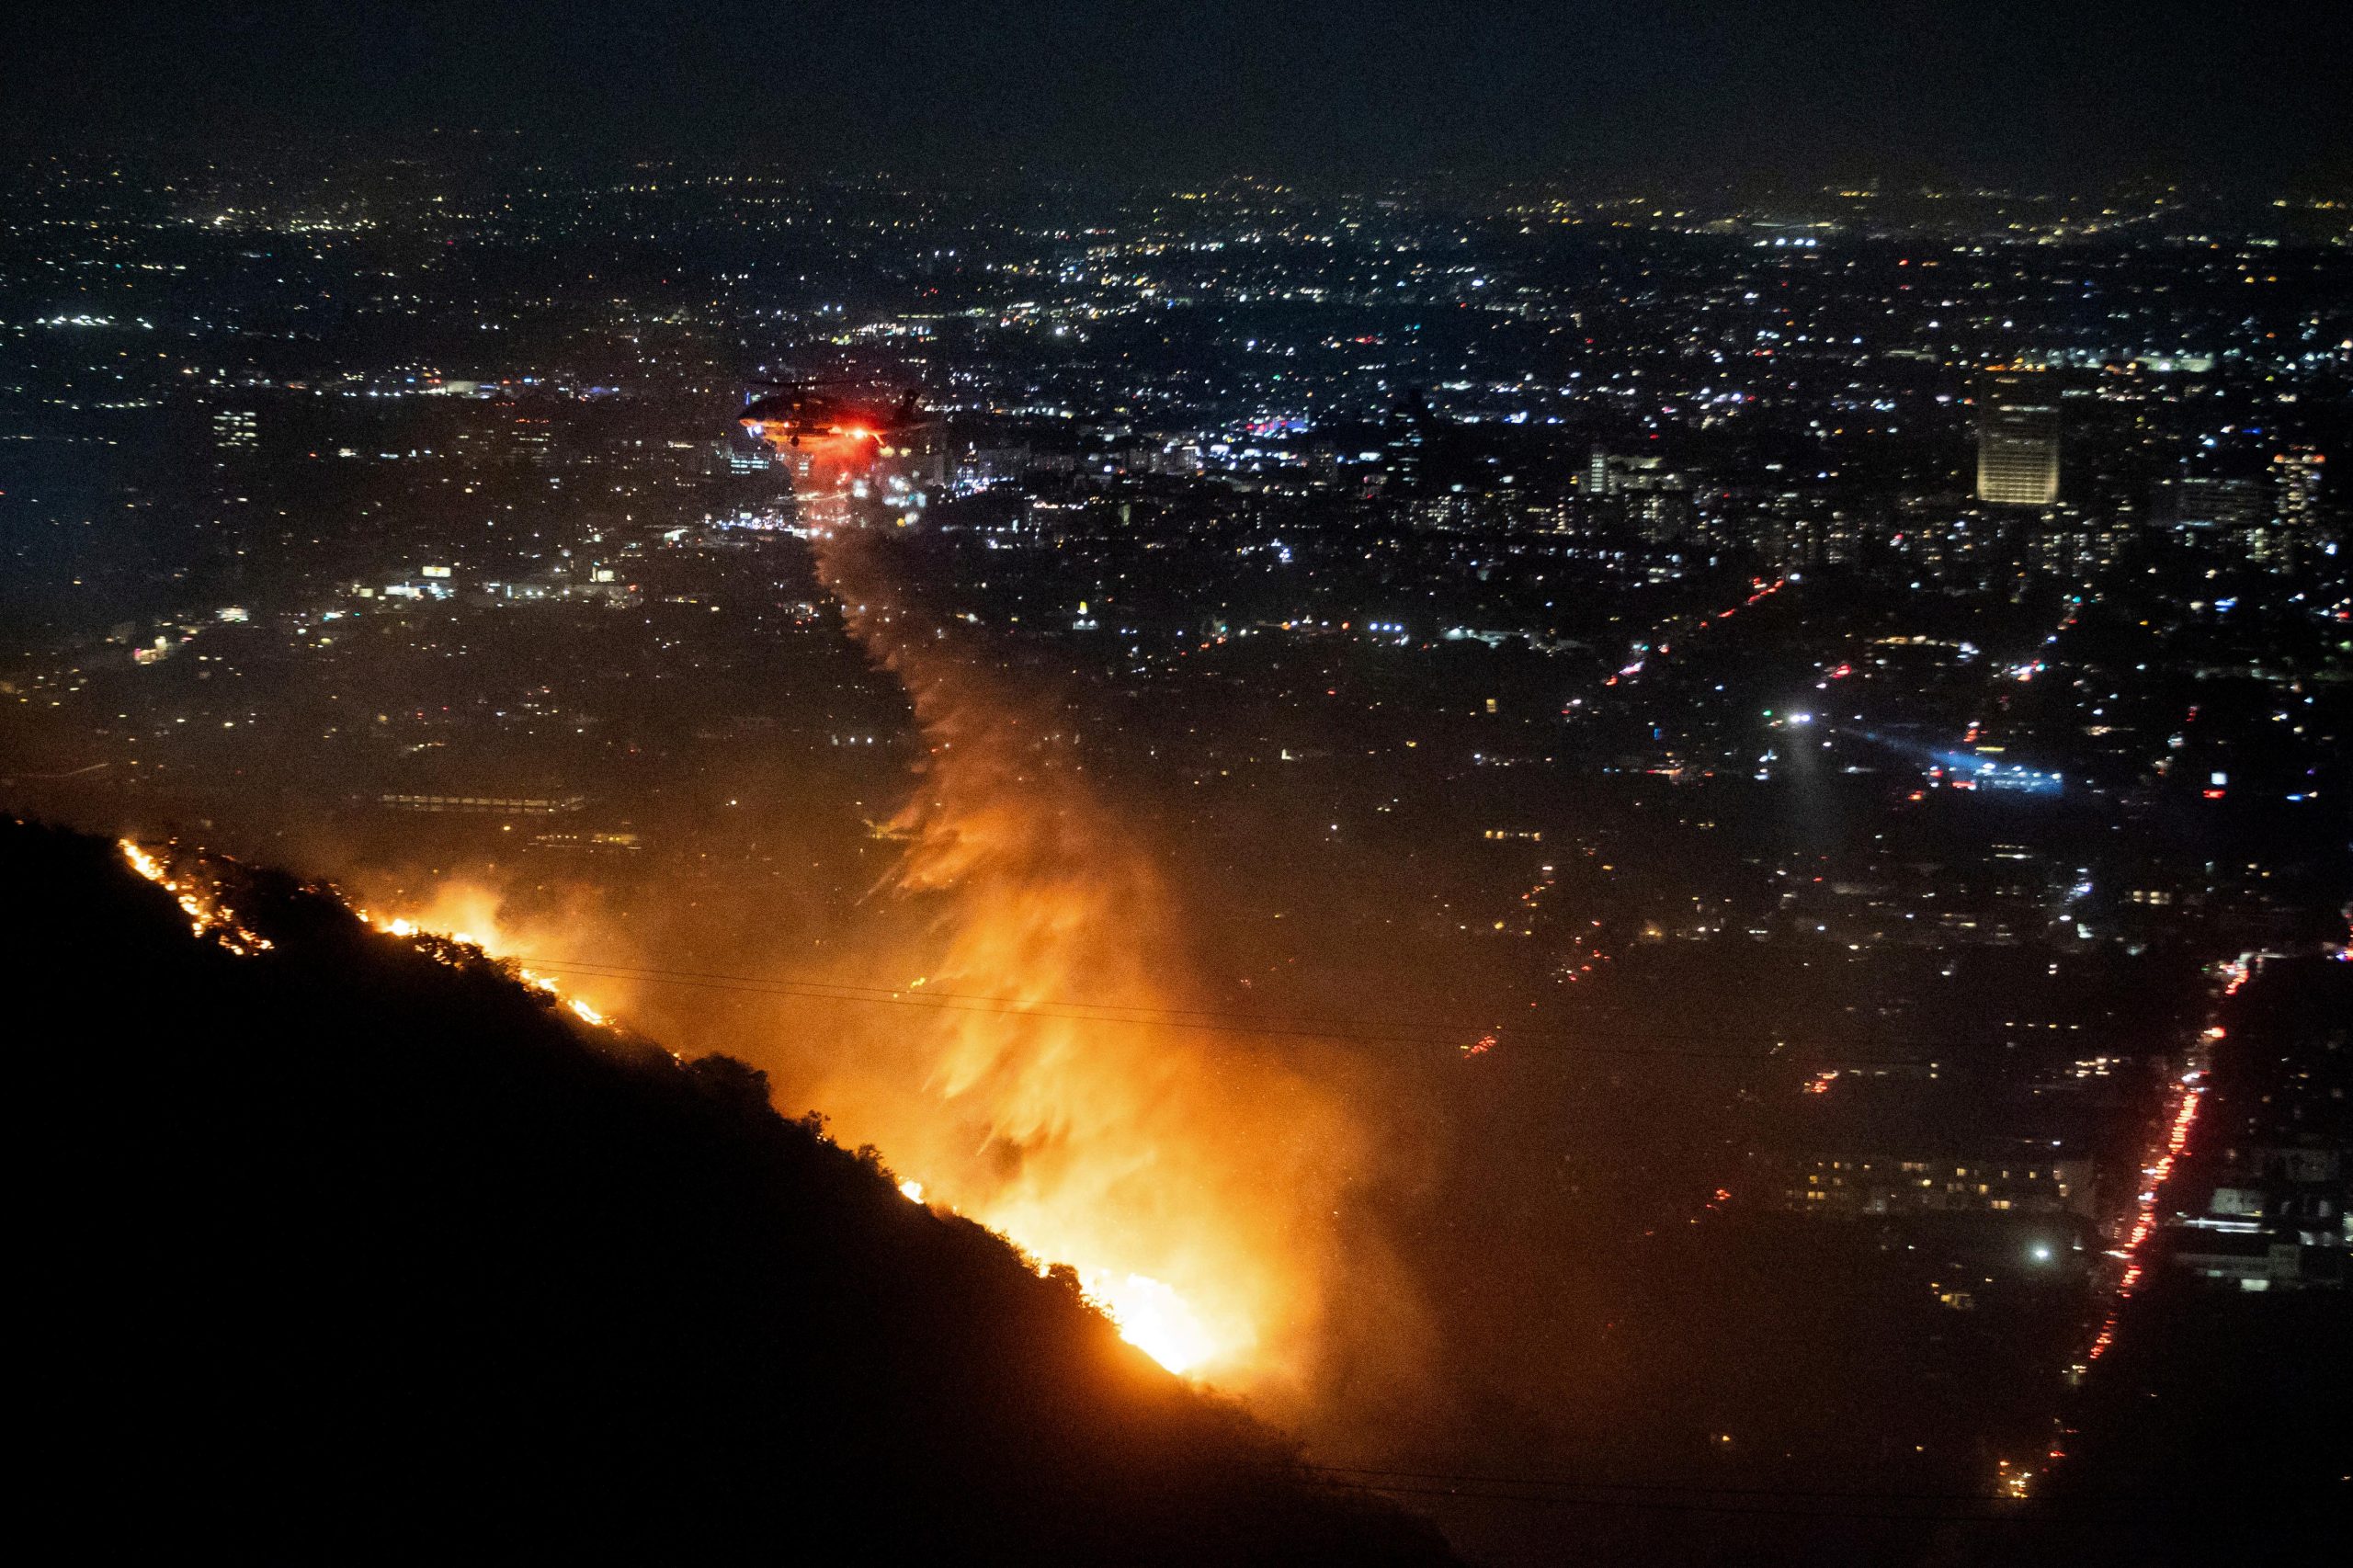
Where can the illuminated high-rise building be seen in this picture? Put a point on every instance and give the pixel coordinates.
(2294, 529)
(2295, 478)
(2017, 441)
(2215, 503)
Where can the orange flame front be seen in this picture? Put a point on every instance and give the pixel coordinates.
(1190, 1181)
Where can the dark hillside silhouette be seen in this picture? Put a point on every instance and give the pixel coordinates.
(338, 1251)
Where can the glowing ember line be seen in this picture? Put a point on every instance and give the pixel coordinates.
(1148, 1312)
(457, 947)
(207, 915)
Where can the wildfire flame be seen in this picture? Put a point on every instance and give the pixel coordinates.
(1190, 1182)
(1151, 1317)
(199, 899)
(1148, 1312)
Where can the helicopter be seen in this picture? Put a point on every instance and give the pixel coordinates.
(792, 410)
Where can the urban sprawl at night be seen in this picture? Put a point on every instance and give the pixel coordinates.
(1662, 862)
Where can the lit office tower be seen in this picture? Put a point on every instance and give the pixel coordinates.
(235, 427)
(2293, 531)
(2017, 441)
(2295, 476)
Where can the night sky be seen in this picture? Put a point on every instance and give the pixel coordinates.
(2028, 91)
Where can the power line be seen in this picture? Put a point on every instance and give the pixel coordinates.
(1086, 1013)
(1201, 1019)
(1701, 1488)
(1654, 1505)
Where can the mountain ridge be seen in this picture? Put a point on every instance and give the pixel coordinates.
(342, 1249)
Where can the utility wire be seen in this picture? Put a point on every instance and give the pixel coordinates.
(1080, 1012)
(1409, 1032)
(1701, 1488)
(1653, 1504)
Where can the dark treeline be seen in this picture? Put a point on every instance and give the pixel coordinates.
(338, 1251)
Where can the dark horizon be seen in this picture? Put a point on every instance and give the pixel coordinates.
(2070, 95)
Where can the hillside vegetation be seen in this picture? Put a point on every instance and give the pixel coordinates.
(337, 1251)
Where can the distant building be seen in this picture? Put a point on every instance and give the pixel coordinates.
(2014, 1182)
(485, 805)
(588, 842)
(2215, 504)
(2257, 1260)
(2017, 441)
(2273, 517)
(1653, 499)
(1408, 435)
(235, 429)
(1609, 474)
(2296, 476)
